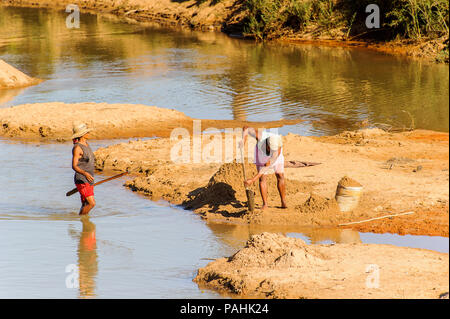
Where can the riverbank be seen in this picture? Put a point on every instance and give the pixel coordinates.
(287, 23)
(109, 121)
(274, 266)
(11, 78)
(400, 172)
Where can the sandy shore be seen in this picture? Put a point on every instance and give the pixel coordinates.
(11, 78)
(189, 13)
(109, 121)
(400, 172)
(274, 266)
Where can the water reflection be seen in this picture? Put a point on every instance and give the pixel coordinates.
(209, 75)
(237, 235)
(87, 258)
(340, 236)
(7, 95)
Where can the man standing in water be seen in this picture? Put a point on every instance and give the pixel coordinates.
(83, 163)
(268, 156)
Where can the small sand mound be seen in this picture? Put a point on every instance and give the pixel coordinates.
(11, 78)
(363, 133)
(275, 251)
(348, 182)
(231, 174)
(318, 204)
(226, 186)
(212, 195)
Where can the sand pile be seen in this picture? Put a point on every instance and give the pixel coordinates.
(348, 182)
(232, 174)
(274, 251)
(318, 204)
(363, 133)
(11, 78)
(226, 187)
(360, 137)
(275, 266)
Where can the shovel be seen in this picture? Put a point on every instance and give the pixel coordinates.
(250, 194)
(75, 190)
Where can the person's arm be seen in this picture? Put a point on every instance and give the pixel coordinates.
(76, 155)
(266, 167)
(245, 133)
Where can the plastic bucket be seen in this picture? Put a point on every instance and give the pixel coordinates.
(348, 197)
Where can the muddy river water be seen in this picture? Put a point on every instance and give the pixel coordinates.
(135, 248)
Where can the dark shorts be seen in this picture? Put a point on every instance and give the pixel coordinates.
(85, 191)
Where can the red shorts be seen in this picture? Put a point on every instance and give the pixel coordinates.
(85, 191)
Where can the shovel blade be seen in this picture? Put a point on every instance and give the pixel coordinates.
(250, 200)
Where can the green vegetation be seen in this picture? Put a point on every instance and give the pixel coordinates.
(268, 18)
(417, 18)
(406, 19)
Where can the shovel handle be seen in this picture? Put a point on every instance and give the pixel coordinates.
(243, 163)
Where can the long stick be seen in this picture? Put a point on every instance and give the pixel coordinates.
(368, 220)
(75, 190)
(243, 163)
(248, 192)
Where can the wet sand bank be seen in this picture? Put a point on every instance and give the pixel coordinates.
(109, 121)
(11, 78)
(274, 266)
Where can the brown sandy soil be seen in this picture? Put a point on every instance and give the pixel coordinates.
(399, 172)
(108, 121)
(189, 13)
(11, 78)
(228, 16)
(274, 266)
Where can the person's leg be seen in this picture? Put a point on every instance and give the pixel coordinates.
(88, 205)
(83, 203)
(281, 188)
(263, 190)
(82, 192)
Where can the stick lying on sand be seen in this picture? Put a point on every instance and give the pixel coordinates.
(368, 220)
(75, 190)
(295, 164)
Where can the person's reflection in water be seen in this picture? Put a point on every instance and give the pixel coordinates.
(87, 258)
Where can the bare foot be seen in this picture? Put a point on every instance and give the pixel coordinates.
(284, 206)
(264, 207)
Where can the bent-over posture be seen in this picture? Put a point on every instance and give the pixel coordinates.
(268, 156)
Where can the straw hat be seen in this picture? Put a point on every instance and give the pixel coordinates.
(79, 129)
(275, 142)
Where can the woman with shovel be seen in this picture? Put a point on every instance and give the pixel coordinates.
(83, 163)
(268, 157)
